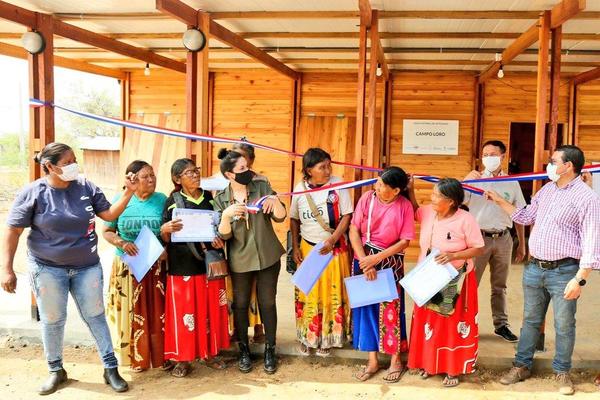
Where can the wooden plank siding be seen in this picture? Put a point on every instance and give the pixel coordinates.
(588, 118)
(258, 104)
(432, 95)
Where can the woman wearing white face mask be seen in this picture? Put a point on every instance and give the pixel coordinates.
(61, 208)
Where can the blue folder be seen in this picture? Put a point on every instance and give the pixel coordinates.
(311, 269)
(149, 249)
(362, 292)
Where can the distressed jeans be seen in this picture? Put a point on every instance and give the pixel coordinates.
(539, 287)
(51, 286)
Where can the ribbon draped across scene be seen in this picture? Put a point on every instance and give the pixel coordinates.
(595, 168)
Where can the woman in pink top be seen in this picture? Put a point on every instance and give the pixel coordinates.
(382, 227)
(444, 333)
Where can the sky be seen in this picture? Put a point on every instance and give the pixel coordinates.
(14, 91)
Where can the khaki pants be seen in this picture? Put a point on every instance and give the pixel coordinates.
(498, 253)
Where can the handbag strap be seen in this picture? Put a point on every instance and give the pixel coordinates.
(180, 204)
(369, 216)
(315, 211)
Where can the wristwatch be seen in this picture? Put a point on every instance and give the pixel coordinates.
(580, 281)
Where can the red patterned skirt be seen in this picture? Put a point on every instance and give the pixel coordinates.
(196, 319)
(446, 344)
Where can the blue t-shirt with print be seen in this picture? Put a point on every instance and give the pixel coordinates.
(137, 214)
(62, 222)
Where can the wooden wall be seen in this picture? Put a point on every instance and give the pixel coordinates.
(588, 120)
(432, 95)
(258, 104)
(101, 167)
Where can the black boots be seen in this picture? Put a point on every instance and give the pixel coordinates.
(53, 382)
(244, 362)
(270, 359)
(116, 382)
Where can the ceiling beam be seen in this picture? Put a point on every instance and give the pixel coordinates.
(366, 13)
(587, 76)
(24, 17)
(332, 35)
(189, 16)
(338, 50)
(70, 63)
(564, 10)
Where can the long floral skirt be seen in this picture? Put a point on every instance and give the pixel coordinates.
(135, 313)
(196, 323)
(382, 327)
(323, 317)
(447, 344)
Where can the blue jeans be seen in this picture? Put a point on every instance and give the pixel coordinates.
(51, 286)
(539, 287)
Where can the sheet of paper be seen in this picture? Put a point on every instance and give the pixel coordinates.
(216, 182)
(149, 249)
(198, 225)
(362, 292)
(311, 269)
(427, 278)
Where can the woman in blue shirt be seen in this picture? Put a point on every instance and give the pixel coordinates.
(61, 209)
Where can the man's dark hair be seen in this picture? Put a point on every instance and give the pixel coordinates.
(573, 154)
(496, 143)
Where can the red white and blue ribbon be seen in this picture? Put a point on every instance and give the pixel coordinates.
(256, 206)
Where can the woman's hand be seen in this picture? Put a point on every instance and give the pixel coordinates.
(269, 204)
(8, 280)
(164, 256)
(493, 196)
(444, 258)
(175, 225)
(370, 274)
(131, 182)
(368, 262)
(327, 246)
(218, 243)
(297, 254)
(130, 248)
(235, 210)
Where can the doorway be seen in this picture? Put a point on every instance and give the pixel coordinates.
(522, 146)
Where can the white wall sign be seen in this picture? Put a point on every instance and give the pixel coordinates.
(423, 136)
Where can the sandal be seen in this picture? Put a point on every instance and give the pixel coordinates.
(168, 365)
(364, 374)
(136, 370)
(450, 381)
(393, 376)
(597, 380)
(423, 374)
(181, 369)
(215, 363)
(323, 352)
(303, 350)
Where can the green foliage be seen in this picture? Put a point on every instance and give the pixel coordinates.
(10, 154)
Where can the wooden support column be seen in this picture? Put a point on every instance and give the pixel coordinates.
(542, 97)
(295, 102)
(478, 107)
(125, 107)
(370, 158)
(554, 87)
(41, 86)
(386, 118)
(360, 100)
(197, 102)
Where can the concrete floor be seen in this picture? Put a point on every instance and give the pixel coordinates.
(493, 351)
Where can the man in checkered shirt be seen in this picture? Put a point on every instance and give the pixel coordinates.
(565, 247)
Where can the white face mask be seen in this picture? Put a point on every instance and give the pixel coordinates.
(69, 172)
(551, 171)
(491, 163)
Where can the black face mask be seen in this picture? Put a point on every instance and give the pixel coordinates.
(244, 178)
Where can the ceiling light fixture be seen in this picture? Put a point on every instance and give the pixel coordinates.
(501, 72)
(194, 40)
(33, 42)
(147, 70)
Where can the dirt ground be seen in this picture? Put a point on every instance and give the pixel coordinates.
(22, 369)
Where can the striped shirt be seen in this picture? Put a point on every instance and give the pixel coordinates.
(567, 223)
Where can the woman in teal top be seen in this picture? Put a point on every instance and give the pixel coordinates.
(135, 308)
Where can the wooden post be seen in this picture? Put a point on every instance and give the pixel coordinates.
(295, 101)
(360, 101)
(197, 104)
(554, 86)
(542, 97)
(369, 157)
(125, 105)
(478, 108)
(41, 119)
(386, 118)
